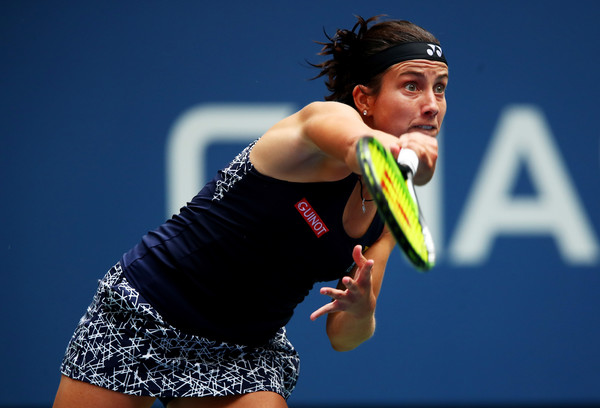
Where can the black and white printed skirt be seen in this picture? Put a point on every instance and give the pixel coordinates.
(123, 344)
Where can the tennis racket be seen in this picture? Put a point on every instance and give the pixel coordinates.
(390, 182)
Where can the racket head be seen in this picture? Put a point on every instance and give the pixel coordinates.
(393, 193)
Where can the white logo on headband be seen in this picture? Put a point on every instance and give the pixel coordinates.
(434, 48)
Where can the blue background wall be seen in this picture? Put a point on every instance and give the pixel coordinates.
(90, 93)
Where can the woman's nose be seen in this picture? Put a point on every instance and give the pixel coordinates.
(430, 106)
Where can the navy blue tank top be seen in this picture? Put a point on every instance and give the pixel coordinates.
(237, 259)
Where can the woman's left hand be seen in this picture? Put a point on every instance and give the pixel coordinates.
(357, 298)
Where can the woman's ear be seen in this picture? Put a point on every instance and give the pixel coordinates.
(362, 99)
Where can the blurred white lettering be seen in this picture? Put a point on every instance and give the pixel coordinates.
(523, 137)
(201, 126)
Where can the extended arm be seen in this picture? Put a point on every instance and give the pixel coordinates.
(318, 143)
(351, 314)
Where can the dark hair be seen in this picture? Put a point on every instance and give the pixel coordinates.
(349, 47)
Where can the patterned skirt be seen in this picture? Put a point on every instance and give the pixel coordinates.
(123, 344)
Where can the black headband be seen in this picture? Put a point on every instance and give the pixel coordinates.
(379, 62)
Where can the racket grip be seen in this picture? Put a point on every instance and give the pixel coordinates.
(409, 159)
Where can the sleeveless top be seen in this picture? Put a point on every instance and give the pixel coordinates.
(237, 259)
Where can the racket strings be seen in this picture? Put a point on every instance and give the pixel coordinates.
(400, 201)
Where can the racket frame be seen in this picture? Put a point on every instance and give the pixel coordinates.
(373, 183)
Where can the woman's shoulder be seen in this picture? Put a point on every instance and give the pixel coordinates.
(322, 107)
(297, 140)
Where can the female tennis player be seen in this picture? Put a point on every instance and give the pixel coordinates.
(195, 314)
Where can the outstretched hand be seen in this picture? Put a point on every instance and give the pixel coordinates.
(358, 297)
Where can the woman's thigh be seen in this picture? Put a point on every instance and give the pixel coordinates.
(74, 393)
(261, 399)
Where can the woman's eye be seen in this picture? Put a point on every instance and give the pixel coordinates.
(410, 87)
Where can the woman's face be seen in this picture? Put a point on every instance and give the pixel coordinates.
(411, 98)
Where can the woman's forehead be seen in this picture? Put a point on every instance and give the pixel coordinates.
(435, 68)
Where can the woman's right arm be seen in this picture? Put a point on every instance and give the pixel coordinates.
(334, 129)
(318, 143)
(315, 144)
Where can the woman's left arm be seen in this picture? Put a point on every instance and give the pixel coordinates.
(351, 314)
